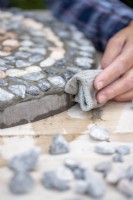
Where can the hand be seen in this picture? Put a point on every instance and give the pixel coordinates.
(116, 80)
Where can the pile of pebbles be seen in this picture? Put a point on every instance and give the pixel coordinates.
(38, 56)
(87, 181)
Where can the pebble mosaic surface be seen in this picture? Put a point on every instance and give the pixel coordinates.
(38, 58)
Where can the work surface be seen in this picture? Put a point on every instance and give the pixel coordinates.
(73, 124)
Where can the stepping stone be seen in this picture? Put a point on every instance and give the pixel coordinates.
(36, 60)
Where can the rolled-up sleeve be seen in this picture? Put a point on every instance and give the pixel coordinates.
(98, 19)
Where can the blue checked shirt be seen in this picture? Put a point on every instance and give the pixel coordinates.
(98, 19)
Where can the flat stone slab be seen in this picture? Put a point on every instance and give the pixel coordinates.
(37, 57)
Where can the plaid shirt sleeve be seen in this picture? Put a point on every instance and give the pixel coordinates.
(98, 19)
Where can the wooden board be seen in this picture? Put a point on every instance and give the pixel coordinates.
(73, 124)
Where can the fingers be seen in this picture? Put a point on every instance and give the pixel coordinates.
(113, 49)
(122, 64)
(128, 96)
(120, 86)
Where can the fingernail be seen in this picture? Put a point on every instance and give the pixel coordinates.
(100, 85)
(102, 99)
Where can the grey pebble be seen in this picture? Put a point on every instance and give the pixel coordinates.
(51, 71)
(129, 173)
(97, 132)
(84, 63)
(34, 76)
(51, 181)
(21, 183)
(33, 90)
(18, 80)
(59, 145)
(126, 187)
(93, 187)
(18, 90)
(36, 58)
(118, 158)
(3, 82)
(72, 164)
(5, 96)
(57, 81)
(44, 86)
(103, 167)
(67, 75)
(123, 150)
(105, 149)
(21, 54)
(26, 161)
(22, 63)
(79, 173)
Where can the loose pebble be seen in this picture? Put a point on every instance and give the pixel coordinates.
(72, 164)
(115, 175)
(126, 187)
(21, 183)
(118, 158)
(64, 174)
(93, 187)
(103, 167)
(105, 148)
(51, 181)
(123, 150)
(129, 172)
(25, 162)
(99, 133)
(59, 145)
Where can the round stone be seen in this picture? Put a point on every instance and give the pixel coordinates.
(22, 54)
(22, 63)
(36, 58)
(84, 62)
(47, 62)
(105, 148)
(3, 82)
(19, 90)
(57, 54)
(57, 81)
(44, 86)
(5, 96)
(21, 183)
(34, 76)
(4, 53)
(2, 74)
(33, 90)
(33, 69)
(11, 42)
(26, 43)
(99, 133)
(16, 72)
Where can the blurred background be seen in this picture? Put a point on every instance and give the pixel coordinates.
(40, 4)
(30, 4)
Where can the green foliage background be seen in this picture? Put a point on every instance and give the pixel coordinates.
(39, 4)
(28, 4)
